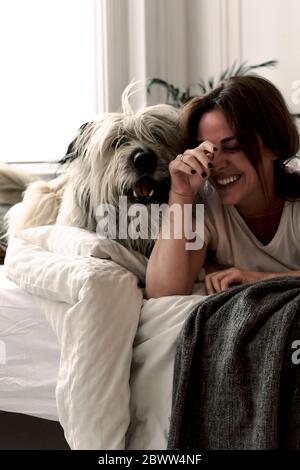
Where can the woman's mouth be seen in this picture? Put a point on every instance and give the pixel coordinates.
(225, 182)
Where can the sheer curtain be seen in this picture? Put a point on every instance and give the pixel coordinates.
(48, 76)
(64, 61)
(141, 39)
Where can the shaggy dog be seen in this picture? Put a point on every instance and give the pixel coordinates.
(119, 154)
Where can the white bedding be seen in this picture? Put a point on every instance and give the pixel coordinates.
(117, 350)
(28, 371)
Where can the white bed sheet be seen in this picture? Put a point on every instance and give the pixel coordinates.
(28, 379)
(30, 354)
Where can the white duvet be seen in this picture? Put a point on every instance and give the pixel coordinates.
(117, 350)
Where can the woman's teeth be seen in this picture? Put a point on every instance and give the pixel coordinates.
(225, 181)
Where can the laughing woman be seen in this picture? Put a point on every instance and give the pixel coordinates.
(239, 138)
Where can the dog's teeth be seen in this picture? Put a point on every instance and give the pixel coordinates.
(143, 195)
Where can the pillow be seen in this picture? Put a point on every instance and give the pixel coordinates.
(74, 241)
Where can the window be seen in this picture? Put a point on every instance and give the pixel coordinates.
(48, 76)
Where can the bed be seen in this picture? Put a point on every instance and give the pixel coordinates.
(29, 371)
(106, 397)
(29, 365)
(84, 347)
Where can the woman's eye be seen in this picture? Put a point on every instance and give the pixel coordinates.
(232, 149)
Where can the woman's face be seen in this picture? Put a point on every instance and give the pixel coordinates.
(233, 176)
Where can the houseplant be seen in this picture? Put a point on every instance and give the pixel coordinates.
(177, 97)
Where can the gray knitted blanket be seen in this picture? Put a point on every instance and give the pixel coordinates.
(235, 383)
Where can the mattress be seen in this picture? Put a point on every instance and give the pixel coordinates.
(29, 355)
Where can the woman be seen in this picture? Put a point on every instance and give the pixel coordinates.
(239, 137)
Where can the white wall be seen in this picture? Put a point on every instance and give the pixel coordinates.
(270, 30)
(222, 31)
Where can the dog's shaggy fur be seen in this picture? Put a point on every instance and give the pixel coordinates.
(119, 154)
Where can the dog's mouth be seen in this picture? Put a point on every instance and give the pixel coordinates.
(146, 190)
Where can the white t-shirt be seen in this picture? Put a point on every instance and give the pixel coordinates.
(234, 245)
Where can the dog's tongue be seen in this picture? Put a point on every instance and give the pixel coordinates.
(142, 188)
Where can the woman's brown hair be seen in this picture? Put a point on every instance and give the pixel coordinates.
(255, 109)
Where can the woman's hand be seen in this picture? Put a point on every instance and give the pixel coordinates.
(222, 280)
(190, 170)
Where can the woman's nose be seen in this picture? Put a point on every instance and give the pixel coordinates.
(220, 161)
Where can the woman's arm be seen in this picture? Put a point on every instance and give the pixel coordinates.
(172, 269)
(222, 280)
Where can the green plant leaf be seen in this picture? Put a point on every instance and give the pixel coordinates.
(177, 97)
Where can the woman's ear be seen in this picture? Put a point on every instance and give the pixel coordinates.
(271, 155)
(266, 152)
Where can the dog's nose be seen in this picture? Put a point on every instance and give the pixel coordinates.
(144, 161)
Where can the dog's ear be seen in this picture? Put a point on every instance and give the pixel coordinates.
(71, 154)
